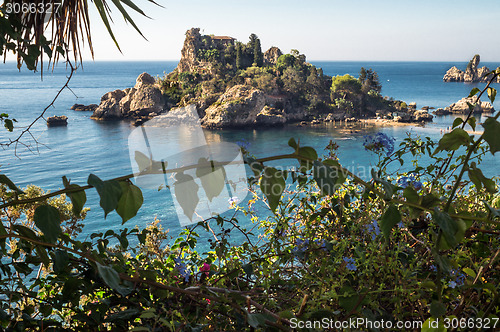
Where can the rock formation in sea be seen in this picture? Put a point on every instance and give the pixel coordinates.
(139, 103)
(61, 120)
(472, 73)
(84, 108)
(462, 106)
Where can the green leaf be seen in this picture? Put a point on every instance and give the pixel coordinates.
(272, 185)
(472, 122)
(255, 166)
(492, 134)
(478, 178)
(326, 177)
(77, 198)
(452, 141)
(437, 309)
(348, 298)
(47, 219)
(470, 272)
(388, 187)
(42, 254)
(495, 213)
(8, 124)
(5, 180)
(109, 191)
(256, 320)
(457, 122)
(248, 268)
(61, 261)
(293, 144)
(443, 261)
(104, 17)
(130, 201)
(123, 315)
(186, 193)
(492, 93)
(390, 219)
(447, 225)
(309, 153)
(411, 195)
(112, 279)
(473, 92)
(213, 178)
(430, 201)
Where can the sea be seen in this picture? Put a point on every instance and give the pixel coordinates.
(86, 146)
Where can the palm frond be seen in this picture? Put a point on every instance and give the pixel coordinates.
(67, 25)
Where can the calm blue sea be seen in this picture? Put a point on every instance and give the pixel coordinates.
(86, 146)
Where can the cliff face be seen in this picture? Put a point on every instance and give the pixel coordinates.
(192, 44)
(271, 55)
(472, 73)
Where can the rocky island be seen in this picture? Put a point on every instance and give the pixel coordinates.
(236, 85)
(472, 73)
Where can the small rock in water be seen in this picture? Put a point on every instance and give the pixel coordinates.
(57, 121)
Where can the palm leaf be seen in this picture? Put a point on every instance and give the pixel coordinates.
(69, 28)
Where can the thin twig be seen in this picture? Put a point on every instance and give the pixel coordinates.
(18, 141)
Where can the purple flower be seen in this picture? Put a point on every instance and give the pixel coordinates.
(321, 244)
(459, 278)
(182, 268)
(244, 144)
(379, 142)
(452, 284)
(374, 229)
(350, 263)
(410, 180)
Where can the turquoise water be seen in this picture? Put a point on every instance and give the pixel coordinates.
(86, 146)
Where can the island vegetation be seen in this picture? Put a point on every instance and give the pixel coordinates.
(235, 84)
(214, 70)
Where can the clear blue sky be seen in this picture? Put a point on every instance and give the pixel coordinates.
(423, 30)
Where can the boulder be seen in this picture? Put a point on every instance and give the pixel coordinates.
(403, 117)
(109, 108)
(143, 99)
(335, 117)
(239, 106)
(441, 111)
(55, 120)
(462, 107)
(83, 108)
(144, 79)
(270, 116)
(412, 105)
(422, 115)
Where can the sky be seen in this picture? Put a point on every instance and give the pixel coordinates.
(357, 30)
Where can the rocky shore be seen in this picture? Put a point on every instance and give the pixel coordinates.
(138, 104)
